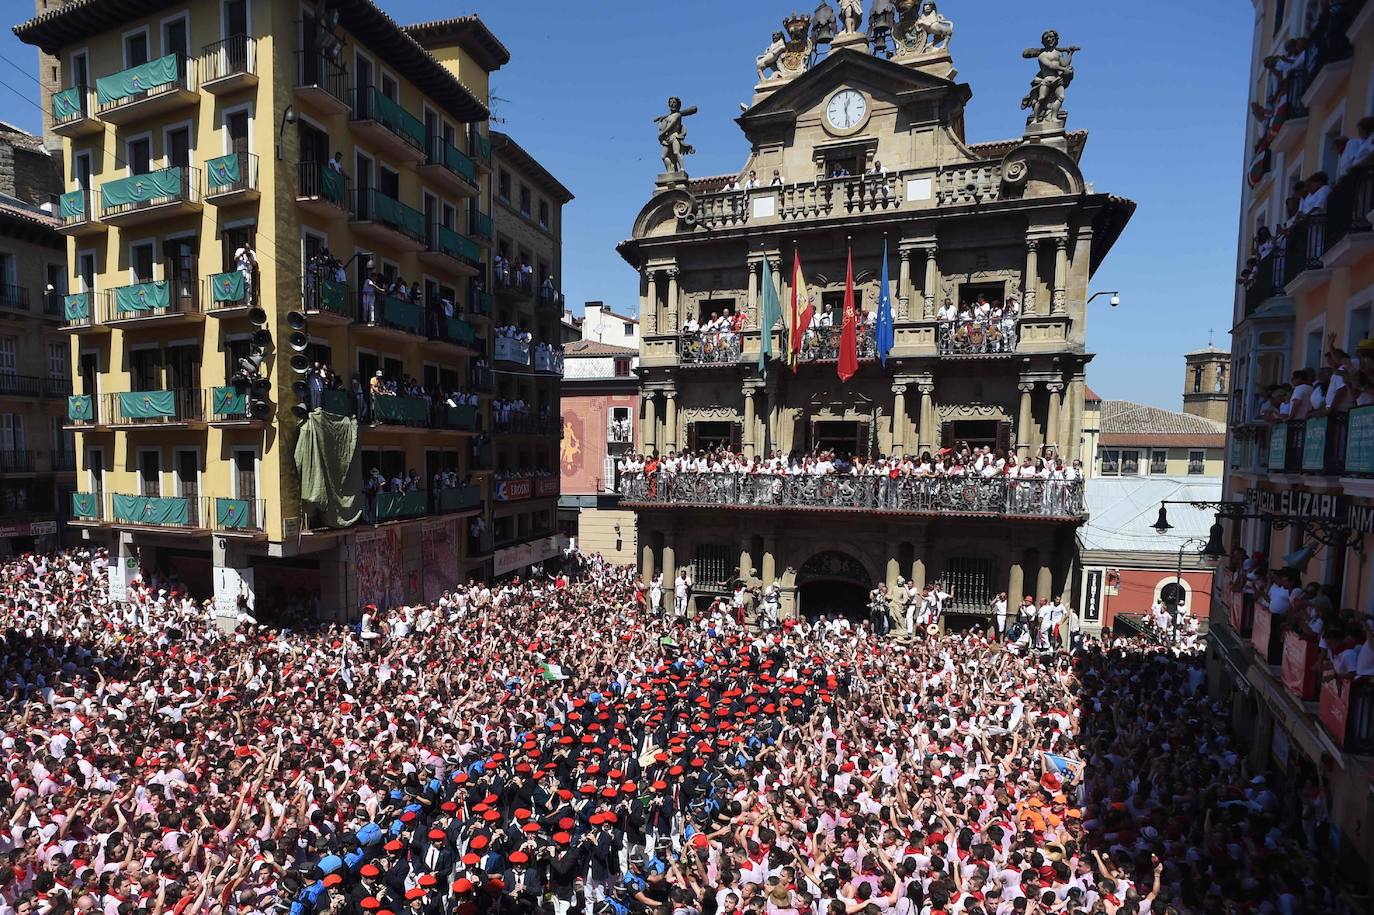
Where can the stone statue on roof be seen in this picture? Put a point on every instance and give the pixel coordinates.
(851, 16)
(1046, 97)
(672, 135)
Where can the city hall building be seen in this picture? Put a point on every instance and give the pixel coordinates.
(959, 221)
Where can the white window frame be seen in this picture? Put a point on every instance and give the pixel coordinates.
(80, 284)
(128, 158)
(1122, 465)
(138, 467)
(224, 126)
(124, 45)
(66, 367)
(234, 452)
(1202, 459)
(175, 469)
(162, 35)
(224, 18)
(190, 127)
(69, 80)
(104, 466)
(139, 243)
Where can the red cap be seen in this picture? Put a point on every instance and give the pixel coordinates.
(462, 885)
(436, 834)
(333, 880)
(561, 838)
(518, 857)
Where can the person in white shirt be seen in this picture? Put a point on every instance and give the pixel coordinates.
(681, 589)
(999, 614)
(1318, 190)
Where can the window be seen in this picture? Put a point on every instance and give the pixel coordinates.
(9, 348)
(503, 185)
(1280, 11)
(622, 368)
(524, 201)
(1329, 156)
(136, 49)
(59, 361)
(970, 582)
(150, 473)
(714, 566)
(1130, 463)
(12, 434)
(544, 213)
(1358, 327)
(1197, 462)
(1197, 379)
(139, 156)
(1159, 462)
(179, 147)
(1111, 462)
(629, 329)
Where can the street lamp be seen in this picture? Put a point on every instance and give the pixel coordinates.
(1114, 301)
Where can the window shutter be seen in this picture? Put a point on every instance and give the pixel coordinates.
(1004, 436)
(736, 433)
(946, 435)
(862, 440)
(692, 436)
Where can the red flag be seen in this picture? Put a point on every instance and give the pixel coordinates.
(802, 311)
(848, 362)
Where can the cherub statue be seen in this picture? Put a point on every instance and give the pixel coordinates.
(1046, 97)
(672, 134)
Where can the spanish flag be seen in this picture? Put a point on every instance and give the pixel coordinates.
(802, 312)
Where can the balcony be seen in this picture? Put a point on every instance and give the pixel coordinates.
(548, 361)
(177, 409)
(509, 349)
(402, 412)
(479, 226)
(32, 387)
(822, 344)
(479, 303)
(321, 190)
(549, 299)
(449, 251)
(998, 496)
(186, 513)
(229, 66)
(229, 295)
(14, 298)
(1300, 667)
(389, 316)
(62, 461)
(709, 348)
(1266, 282)
(244, 517)
(381, 507)
(387, 222)
(232, 179)
(1303, 267)
(384, 124)
(84, 411)
(1346, 711)
(483, 379)
(447, 166)
(454, 499)
(321, 84)
(513, 284)
(88, 508)
(151, 197)
(84, 312)
(161, 302)
(230, 408)
(16, 461)
(529, 424)
(977, 338)
(479, 148)
(453, 331)
(1349, 234)
(76, 210)
(463, 418)
(72, 115)
(329, 302)
(153, 89)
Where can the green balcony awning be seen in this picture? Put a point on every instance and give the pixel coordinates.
(234, 514)
(136, 80)
(165, 184)
(72, 205)
(228, 287)
(225, 171)
(403, 314)
(410, 411)
(393, 505)
(80, 408)
(460, 498)
(143, 297)
(228, 401)
(66, 104)
(85, 505)
(161, 511)
(77, 306)
(148, 404)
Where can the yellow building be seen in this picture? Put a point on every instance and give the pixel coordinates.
(192, 131)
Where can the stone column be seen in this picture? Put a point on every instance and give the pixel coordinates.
(775, 266)
(1032, 281)
(669, 567)
(1056, 389)
(646, 561)
(650, 314)
(932, 281)
(918, 567)
(749, 422)
(746, 560)
(904, 257)
(927, 420)
(769, 572)
(899, 421)
(1023, 419)
(1061, 274)
(1044, 581)
(751, 316)
(649, 433)
(674, 317)
(1016, 583)
(1073, 419)
(670, 420)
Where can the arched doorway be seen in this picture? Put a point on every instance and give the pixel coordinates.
(833, 582)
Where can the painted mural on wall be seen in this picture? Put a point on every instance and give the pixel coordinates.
(380, 570)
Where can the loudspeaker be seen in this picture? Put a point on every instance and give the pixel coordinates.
(296, 320)
(300, 411)
(260, 409)
(299, 364)
(261, 387)
(300, 389)
(297, 341)
(262, 339)
(257, 316)
(1300, 558)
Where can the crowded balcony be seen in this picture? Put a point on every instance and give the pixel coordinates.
(822, 344)
(321, 190)
(33, 386)
(450, 167)
(709, 347)
(76, 210)
(321, 82)
(1033, 498)
(384, 124)
(84, 312)
(160, 302)
(528, 423)
(387, 222)
(151, 197)
(1335, 444)
(479, 225)
(977, 337)
(382, 506)
(229, 65)
(328, 301)
(411, 409)
(549, 298)
(547, 359)
(389, 314)
(512, 281)
(1349, 236)
(73, 115)
(232, 179)
(511, 349)
(181, 408)
(449, 251)
(152, 89)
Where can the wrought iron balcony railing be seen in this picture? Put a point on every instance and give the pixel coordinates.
(976, 338)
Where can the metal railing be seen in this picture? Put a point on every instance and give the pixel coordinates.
(76, 208)
(72, 104)
(184, 178)
(444, 240)
(822, 344)
(236, 55)
(709, 347)
(529, 424)
(619, 434)
(1349, 205)
(317, 181)
(548, 361)
(16, 461)
(170, 71)
(925, 495)
(969, 337)
(231, 289)
(509, 349)
(479, 224)
(369, 104)
(231, 174)
(479, 302)
(14, 298)
(186, 512)
(62, 461)
(154, 408)
(371, 205)
(160, 299)
(12, 385)
(239, 515)
(549, 297)
(513, 281)
(323, 295)
(483, 379)
(444, 154)
(380, 310)
(1267, 279)
(479, 146)
(316, 71)
(1306, 243)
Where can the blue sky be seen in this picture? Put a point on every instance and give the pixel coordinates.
(1165, 107)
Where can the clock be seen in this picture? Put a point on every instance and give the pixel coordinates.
(847, 109)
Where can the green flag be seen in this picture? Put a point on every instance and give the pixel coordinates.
(772, 314)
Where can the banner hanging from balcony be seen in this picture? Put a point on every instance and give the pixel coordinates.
(80, 408)
(77, 306)
(402, 410)
(228, 287)
(1359, 441)
(233, 514)
(152, 510)
(143, 297)
(228, 401)
(332, 183)
(160, 185)
(66, 104)
(394, 505)
(72, 205)
(224, 171)
(328, 461)
(136, 80)
(148, 404)
(848, 362)
(84, 505)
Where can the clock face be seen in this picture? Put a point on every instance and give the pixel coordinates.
(846, 109)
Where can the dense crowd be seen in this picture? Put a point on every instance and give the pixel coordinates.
(553, 745)
(960, 460)
(1340, 383)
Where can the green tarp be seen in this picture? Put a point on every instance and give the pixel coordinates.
(224, 171)
(85, 505)
(459, 498)
(460, 331)
(455, 245)
(136, 80)
(334, 297)
(143, 297)
(228, 287)
(337, 401)
(458, 162)
(463, 417)
(72, 205)
(77, 306)
(148, 404)
(228, 401)
(66, 104)
(329, 465)
(407, 219)
(392, 505)
(80, 408)
(402, 314)
(157, 510)
(407, 411)
(332, 183)
(165, 184)
(233, 515)
(398, 119)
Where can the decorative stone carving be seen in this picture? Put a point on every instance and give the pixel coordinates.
(967, 411)
(1045, 100)
(851, 16)
(769, 59)
(708, 414)
(672, 136)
